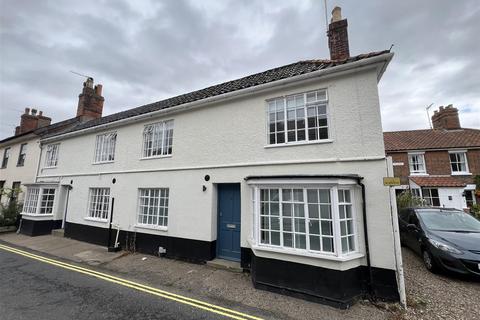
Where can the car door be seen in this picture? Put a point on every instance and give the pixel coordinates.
(414, 232)
(402, 223)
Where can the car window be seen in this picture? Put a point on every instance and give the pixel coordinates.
(450, 220)
(412, 219)
(404, 214)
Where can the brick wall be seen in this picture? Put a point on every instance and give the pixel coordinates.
(437, 163)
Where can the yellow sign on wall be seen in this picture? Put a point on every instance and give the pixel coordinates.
(391, 181)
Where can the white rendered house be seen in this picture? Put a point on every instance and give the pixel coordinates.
(280, 171)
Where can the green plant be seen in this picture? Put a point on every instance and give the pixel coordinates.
(407, 199)
(475, 210)
(10, 211)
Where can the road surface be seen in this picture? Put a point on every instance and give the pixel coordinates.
(33, 288)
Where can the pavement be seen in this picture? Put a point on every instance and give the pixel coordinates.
(37, 289)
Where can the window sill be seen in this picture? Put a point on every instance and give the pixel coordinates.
(151, 227)
(419, 174)
(294, 252)
(49, 167)
(96, 219)
(156, 157)
(37, 216)
(461, 173)
(103, 162)
(301, 143)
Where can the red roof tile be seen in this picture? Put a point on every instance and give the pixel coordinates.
(438, 181)
(431, 139)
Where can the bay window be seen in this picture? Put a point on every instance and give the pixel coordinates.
(309, 219)
(39, 200)
(297, 118)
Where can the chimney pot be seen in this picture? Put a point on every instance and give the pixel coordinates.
(336, 14)
(98, 89)
(34, 112)
(27, 110)
(40, 113)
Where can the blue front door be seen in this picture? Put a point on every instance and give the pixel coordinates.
(228, 238)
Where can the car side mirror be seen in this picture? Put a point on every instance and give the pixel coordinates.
(412, 227)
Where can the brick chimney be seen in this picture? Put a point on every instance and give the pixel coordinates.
(90, 101)
(338, 36)
(446, 118)
(30, 120)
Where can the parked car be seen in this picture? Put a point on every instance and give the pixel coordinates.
(446, 239)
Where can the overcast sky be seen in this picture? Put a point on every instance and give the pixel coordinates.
(145, 51)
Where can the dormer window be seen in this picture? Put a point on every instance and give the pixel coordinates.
(416, 163)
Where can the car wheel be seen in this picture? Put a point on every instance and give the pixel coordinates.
(429, 262)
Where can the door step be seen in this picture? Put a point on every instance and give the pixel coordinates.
(225, 265)
(58, 233)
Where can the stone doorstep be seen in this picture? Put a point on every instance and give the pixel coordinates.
(58, 232)
(225, 265)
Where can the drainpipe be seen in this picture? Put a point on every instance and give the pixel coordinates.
(110, 224)
(367, 247)
(66, 206)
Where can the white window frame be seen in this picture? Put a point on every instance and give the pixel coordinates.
(35, 203)
(282, 105)
(94, 212)
(22, 155)
(428, 198)
(105, 144)
(51, 155)
(337, 250)
(152, 204)
(411, 164)
(6, 157)
(157, 140)
(465, 162)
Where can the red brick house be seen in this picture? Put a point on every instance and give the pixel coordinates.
(438, 164)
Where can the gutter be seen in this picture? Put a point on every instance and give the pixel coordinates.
(337, 70)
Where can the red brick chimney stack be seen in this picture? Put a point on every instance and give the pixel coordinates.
(90, 101)
(338, 36)
(446, 118)
(30, 121)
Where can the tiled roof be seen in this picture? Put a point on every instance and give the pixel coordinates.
(284, 72)
(55, 128)
(445, 181)
(431, 139)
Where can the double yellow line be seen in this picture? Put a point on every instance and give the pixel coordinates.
(229, 313)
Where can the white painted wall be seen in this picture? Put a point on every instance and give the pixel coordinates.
(25, 173)
(234, 134)
(458, 200)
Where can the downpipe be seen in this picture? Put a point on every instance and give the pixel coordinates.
(370, 292)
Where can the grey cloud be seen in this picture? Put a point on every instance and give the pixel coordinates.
(149, 50)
